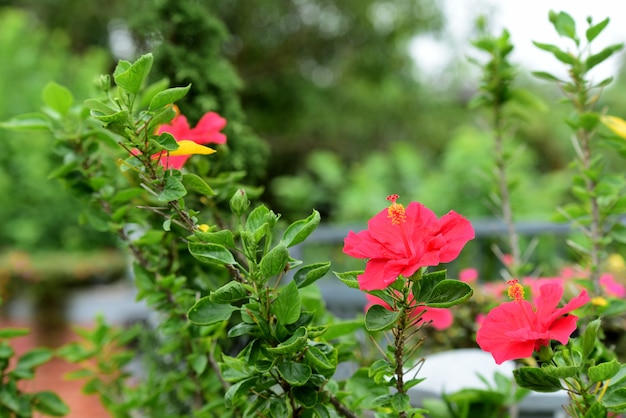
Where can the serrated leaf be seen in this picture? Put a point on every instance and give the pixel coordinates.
(603, 371)
(205, 312)
(292, 345)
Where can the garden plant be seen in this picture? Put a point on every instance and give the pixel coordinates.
(239, 327)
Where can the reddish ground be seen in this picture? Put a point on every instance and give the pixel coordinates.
(50, 375)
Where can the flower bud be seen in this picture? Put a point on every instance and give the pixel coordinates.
(104, 82)
(239, 203)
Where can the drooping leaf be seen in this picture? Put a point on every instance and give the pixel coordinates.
(534, 378)
(49, 403)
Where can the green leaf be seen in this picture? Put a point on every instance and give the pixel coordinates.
(603, 371)
(339, 329)
(306, 395)
(564, 25)
(448, 293)
(199, 362)
(596, 59)
(58, 97)
(615, 400)
(561, 372)
(349, 278)
(168, 96)
(117, 117)
(287, 305)
(379, 318)
(423, 287)
(211, 253)
(596, 29)
(317, 359)
(13, 332)
(308, 275)
(546, 76)
(589, 338)
(223, 237)
(300, 230)
(195, 183)
(400, 402)
(173, 190)
(131, 77)
(597, 410)
(28, 122)
(230, 292)
(536, 379)
(296, 374)
(167, 141)
(274, 262)
(292, 345)
(562, 56)
(205, 312)
(6, 351)
(49, 403)
(33, 358)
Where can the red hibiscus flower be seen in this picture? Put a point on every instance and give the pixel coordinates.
(399, 242)
(515, 329)
(206, 131)
(439, 318)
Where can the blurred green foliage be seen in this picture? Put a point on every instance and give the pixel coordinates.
(38, 213)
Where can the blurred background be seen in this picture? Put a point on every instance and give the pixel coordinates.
(343, 102)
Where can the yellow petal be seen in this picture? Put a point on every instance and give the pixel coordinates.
(186, 147)
(617, 125)
(599, 301)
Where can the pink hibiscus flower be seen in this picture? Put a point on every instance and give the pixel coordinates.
(513, 330)
(439, 318)
(399, 242)
(207, 131)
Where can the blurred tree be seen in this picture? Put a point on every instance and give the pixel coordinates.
(38, 213)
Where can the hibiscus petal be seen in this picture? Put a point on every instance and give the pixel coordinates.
(207, 130)
(562, 328)
(376, 275)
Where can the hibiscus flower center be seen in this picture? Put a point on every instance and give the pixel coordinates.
(396, 211)
(516, 291)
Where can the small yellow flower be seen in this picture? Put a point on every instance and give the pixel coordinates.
(615, 124)
(203, 227)
(599, 301)
(615, 263)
